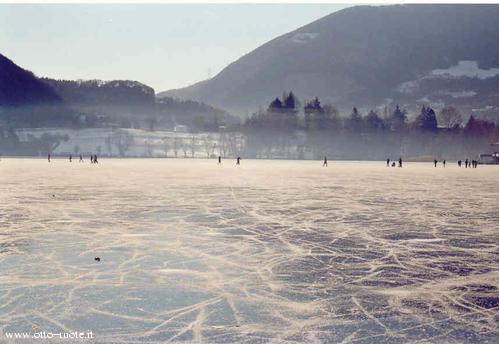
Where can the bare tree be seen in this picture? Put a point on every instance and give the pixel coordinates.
(48, 142)
(207, 145)
(148, 148)
(234, 143)
(166, 145)
(151, 121)
(450, 117)
(193, 142)
(123, 140)
(213, 149)
(176, 146)
(185, 147)
(223, 146)
(109, 145)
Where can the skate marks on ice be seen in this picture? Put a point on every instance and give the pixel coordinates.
(266, 252)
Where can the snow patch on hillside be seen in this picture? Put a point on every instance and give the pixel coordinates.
(463, 69)
(304, 37)
(468, 69)
(408, 86)
(459, 94)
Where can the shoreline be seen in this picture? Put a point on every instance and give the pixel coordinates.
(85, 157)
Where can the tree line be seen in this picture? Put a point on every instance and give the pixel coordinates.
(288, 129)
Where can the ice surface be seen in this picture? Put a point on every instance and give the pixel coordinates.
(269, 251)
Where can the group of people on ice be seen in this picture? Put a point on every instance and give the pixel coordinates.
(93, 158)
(393, 163)
(467, 163)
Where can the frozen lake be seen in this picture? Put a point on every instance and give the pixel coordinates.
(269, 251)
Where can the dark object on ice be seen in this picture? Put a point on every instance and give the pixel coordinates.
(393, 164)
(400, 162)
(435, 162)
(91, 159)
(48, 157)
(81, 158)
(219, 160)
(443, 162)
(459, 162)
(466, 163)
(70, 158)
(324, 164)
(95, 159)
(238, 162)
(97, 259)
(387, 162)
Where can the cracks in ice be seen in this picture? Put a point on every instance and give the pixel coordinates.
(269, 251)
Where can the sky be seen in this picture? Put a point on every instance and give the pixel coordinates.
(162, 45)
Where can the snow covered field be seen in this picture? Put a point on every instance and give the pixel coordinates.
(145, 143)
(281, 251)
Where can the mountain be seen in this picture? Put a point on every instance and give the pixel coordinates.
(127, 101)
(369, 56)
(21, 87)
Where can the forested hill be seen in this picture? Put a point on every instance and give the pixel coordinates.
(102, 92)
(29, 101)
(19, 87)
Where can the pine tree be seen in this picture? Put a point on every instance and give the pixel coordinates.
(314, 115)
(276, 104)
(374, 122)
(355, 121)
(426, 120)
(290, 102)
(398, 120)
